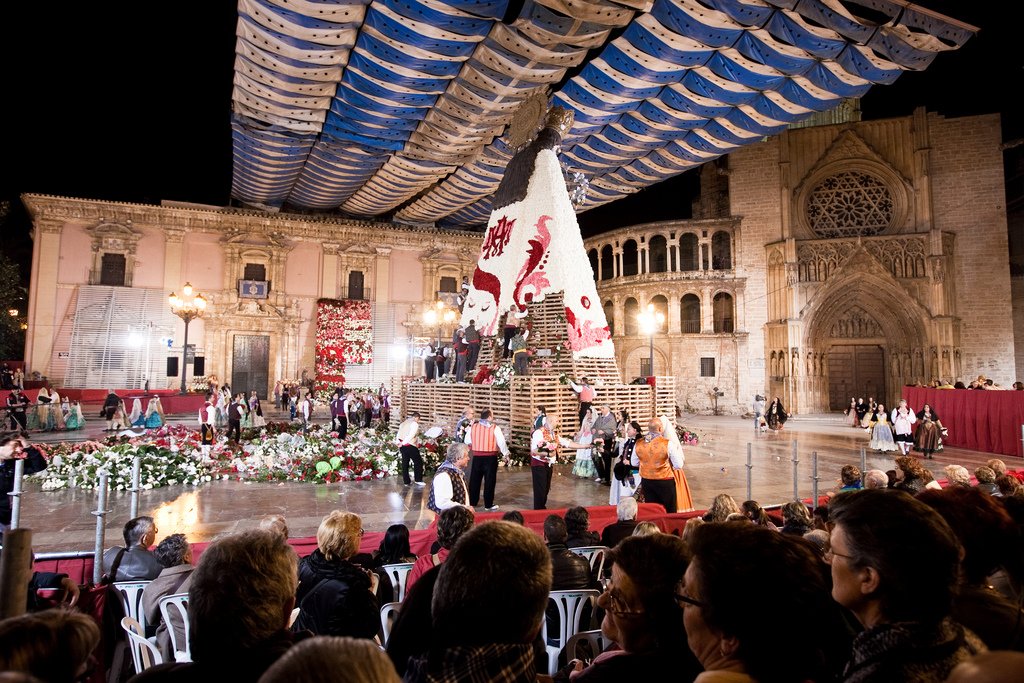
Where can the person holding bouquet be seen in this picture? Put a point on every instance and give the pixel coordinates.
(544, 446)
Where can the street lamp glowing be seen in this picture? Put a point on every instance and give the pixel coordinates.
(650, 322)
(430, 317)
(188, 308)
(439, 314)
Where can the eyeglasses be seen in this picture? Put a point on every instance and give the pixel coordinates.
(362, 532)
(684, 599)
(829, 554)
(616, 605)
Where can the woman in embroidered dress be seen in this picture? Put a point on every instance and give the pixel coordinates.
(120, 420)
(243, 407)
(851, 414)
(154, 413)
(75, 418)
(624, 465)
(777, 415)
(881, 432)
(928, 435)
(869, 413)
(137, 418)
(256, 410)
(42, 410)
(65, 410)
(584, 465)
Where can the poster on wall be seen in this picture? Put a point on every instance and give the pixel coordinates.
(344, 336)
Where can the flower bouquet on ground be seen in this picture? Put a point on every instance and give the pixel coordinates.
(687, 437)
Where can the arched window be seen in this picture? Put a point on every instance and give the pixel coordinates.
(689, 314)
(630, 262)
(592, 255)
(688, 252)
(658, 254)
(661, 306)
(722, 310)
(607, 263)
(721, 251)
(609, 314)
(630, 311)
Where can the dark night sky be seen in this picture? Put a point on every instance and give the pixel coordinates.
(131, 102)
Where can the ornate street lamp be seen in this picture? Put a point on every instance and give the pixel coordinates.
(650, 322)
(188, 308)
(438, 315)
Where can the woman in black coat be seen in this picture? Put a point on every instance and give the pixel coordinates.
(777, 415)
(336, 597)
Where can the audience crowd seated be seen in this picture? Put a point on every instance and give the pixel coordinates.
(881, 585)
(336, 597)
(175, 555)
(134, 561)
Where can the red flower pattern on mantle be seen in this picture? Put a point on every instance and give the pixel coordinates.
(344, 335)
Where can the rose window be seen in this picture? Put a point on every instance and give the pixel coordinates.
(850, 204)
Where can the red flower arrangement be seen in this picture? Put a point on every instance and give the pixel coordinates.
(344, 335)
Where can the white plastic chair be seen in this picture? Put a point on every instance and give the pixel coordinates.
(596, 640)
(595, 556)
(131, 600)
(399, 575)
(388, 614)
(570, 606)
(144, 653)
(174, 610)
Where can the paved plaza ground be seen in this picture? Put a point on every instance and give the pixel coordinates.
(63, 520)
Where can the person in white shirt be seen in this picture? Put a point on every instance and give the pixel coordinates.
(587, 395)
(305, 410)
(544, 446)
(485, 441)
(406, 440)
(448, 489)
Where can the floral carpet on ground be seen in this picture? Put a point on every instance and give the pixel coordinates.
(277, 452)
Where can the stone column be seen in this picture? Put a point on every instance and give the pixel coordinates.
(382, 276)
(707, 311)
(42, 300)
(674, 321)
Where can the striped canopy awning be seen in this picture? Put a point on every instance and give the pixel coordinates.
(399, 108)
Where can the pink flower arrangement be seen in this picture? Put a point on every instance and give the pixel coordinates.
(344, 335)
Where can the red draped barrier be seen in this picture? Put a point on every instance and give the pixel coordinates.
(987, 421)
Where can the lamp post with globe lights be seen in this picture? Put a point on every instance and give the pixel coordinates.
(438, 315)
(650, 322)
(188, 308)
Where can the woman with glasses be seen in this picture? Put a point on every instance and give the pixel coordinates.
(896, 565)
(641, 617)
(336, 597)
(743, 579)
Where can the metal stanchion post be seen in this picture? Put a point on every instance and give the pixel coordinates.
(796, 473)
(863, 462)
(136, 480)
(814, 479)
(16, 492)
(101, 515)
(750, 468)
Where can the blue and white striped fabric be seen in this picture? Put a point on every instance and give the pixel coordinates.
(398, 107)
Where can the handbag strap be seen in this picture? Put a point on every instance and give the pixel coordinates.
(112, 576)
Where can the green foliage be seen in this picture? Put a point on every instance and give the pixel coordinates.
(12, 295)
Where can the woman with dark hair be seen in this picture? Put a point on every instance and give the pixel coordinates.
(895, 565)
(451, 524)
(640, 616)
(726, 606)
(625, 475)
(393, 549)
(756, 514)
(577, 523)
(928, 435)
(796, 518)
(777, 415)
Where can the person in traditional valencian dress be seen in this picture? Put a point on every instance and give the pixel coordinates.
(154, 418)
(246, 422)
(544, 447)
(137, 418)
(657, 456)
(584, 465)
(207, 416)
(777, 415)
(869, 412)
(881, 431)
(256, 411)
(75, 418)
(852, 418)
(625, 474)
(903, 419)
(928, 434)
